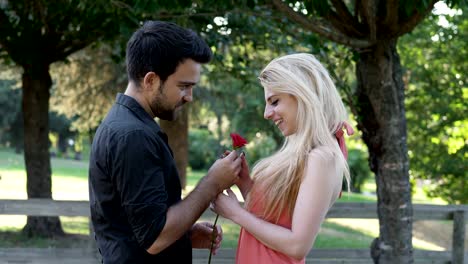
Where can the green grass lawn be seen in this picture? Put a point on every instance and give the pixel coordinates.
(69, 182)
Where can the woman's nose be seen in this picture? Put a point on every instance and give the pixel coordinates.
(268, 112)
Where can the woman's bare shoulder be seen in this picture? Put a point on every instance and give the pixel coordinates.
(322, 154)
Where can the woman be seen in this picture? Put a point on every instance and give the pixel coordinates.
(290, 192)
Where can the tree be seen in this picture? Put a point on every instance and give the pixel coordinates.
(33, 35)
(371, 29)
(435, 59)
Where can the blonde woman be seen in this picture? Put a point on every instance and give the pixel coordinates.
(289, 193)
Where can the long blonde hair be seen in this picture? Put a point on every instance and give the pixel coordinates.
(320, 113)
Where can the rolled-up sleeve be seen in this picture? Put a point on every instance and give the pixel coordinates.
(139, 178)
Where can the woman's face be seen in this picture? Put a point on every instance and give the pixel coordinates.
(281, 108)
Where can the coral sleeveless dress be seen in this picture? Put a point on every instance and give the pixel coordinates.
(252, 251)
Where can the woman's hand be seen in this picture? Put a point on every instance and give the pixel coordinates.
(226, 205)
(202, 235)
(244, 182)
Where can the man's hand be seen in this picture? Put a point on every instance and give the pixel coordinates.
(244, 182)
(225, 171)
(202, 235)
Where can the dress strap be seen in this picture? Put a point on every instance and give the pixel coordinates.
(339, 134)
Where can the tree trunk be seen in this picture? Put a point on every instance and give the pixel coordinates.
(382, 120)
(177, 132)
(36, 84)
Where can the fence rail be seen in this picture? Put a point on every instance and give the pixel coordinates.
(47, 207)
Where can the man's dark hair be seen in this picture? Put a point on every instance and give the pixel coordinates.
(160, 47)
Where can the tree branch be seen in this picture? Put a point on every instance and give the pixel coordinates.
(72, 44)
(343, 26)
(369, 12)
(320, 27)
(185, 14)
(414, 20)
(391, 16)
(350, 23)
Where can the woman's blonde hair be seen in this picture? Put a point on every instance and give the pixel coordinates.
(320, 113)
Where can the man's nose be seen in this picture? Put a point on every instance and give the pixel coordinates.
(188, 95)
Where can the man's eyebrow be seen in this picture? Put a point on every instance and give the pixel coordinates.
(187, 83)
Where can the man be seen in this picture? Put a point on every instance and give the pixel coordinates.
(135, 192)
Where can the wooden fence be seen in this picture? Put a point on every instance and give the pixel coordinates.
(89, 255)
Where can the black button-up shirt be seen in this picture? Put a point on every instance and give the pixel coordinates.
(133, 181)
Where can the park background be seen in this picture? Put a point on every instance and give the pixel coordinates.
(75, 51)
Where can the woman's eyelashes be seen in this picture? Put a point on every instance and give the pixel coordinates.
(275, 102)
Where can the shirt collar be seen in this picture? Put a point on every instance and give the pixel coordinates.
(137, 109)
(132, 104)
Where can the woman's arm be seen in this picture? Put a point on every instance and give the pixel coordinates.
(319, 189)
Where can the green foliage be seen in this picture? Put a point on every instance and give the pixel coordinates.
(49, 31)
(85, 86)
(358, 168)
(321, 8)
(259, 147)
(202, 149)
(11, 121)
(435, 56)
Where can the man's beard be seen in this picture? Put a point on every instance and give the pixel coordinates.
(162, 109)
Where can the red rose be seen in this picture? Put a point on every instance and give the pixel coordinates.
(238, 141)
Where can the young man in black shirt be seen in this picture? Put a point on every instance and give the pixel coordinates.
(134, 187)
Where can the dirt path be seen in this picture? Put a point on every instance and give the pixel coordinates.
(436, 232)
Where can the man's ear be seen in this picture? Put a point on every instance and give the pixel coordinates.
(150, 81)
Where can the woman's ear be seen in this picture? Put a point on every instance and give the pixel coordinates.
(151, 81)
